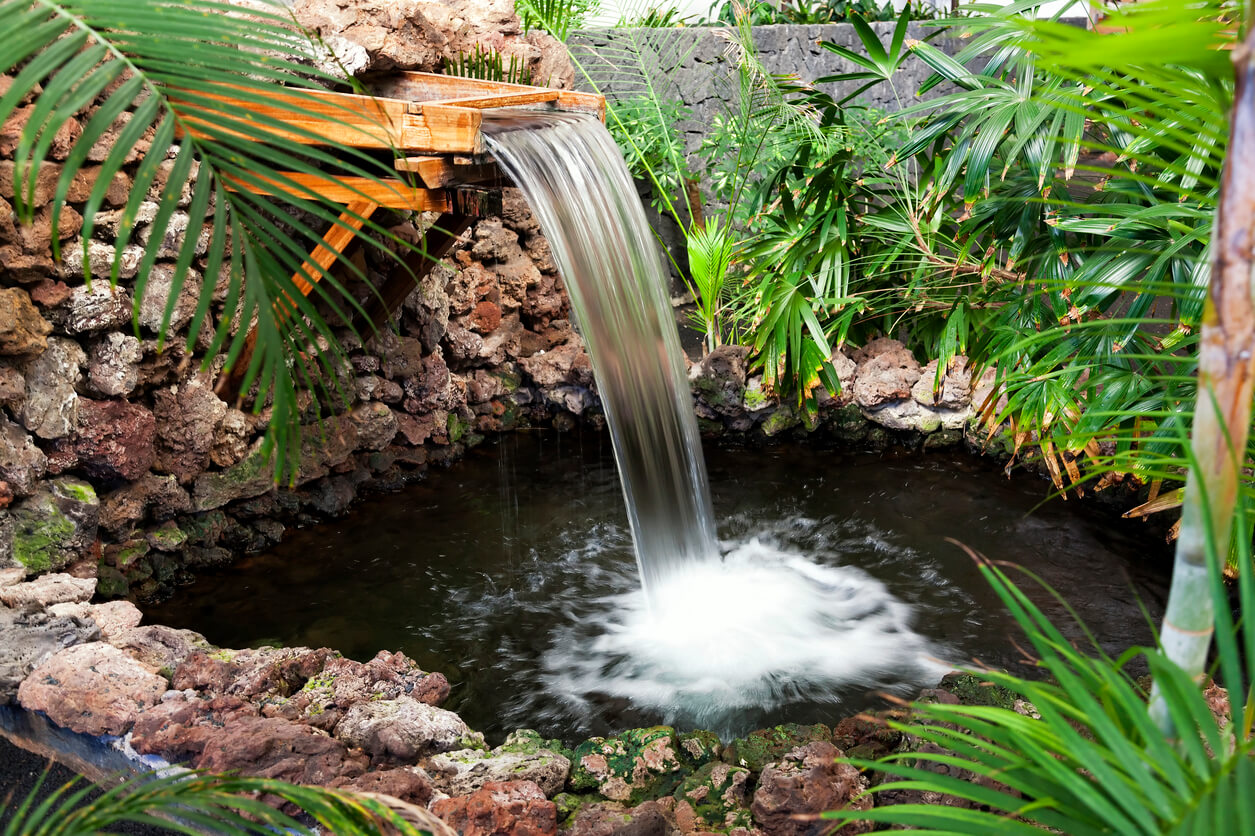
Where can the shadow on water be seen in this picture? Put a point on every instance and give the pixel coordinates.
(513, 574)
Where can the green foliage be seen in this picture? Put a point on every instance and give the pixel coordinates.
(197, 803)
(557, 17)
(1091, 761)
(808, 12)
(158, 65)
(488, 65)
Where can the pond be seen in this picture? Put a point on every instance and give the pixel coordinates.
(512, 573)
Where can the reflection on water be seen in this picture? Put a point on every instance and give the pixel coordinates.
(513, 574)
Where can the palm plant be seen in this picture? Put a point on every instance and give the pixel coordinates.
(1097, 761)
(151, 70)
(197, 803)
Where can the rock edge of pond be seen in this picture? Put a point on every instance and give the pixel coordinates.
(312, 716)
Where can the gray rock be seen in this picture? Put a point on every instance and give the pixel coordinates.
(99, 258)
(152, 305)
(911, 416)
(12, 388)
(29, 639)
(402, 729)
(719, 379)
(887, 371)
(160, 647)
(46, 590)
(51, 407)
(232, 440)
(113, 366)
(55, 525)
(22, 464)
(112, 617)
(376, 426)
(97, 307)
(956, 386)
(464, 771)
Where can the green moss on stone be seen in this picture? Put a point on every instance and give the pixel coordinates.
(755, 399)
(759, 748)
(972, 690)
(569, 804)
(456, 427)
(37, 542)
(782, 419)
(81, 491)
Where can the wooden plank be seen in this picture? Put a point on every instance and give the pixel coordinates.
(333, 243)
(443, 129)
(499, 100)
(441, 172)
(317, 117)
(430, 87)
(394, 194)
(437, 241)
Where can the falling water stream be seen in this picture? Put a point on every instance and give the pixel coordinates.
(814, 627)
(573, 176)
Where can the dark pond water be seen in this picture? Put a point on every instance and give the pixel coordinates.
(512, 571)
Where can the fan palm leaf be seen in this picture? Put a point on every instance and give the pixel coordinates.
(150, 73)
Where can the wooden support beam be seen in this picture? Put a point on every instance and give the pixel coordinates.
(441, 172)
(437, 241)
(315, 267)
(394, 194)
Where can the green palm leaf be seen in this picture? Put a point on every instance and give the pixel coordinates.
(159, 66)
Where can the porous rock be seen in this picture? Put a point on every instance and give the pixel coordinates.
(273, 748)
(97, 307)
(114, 440)
(91, 688)
(156, 645)
(887, 371)
(793, 791)
(955, 391)
(113, 364)
(51, 406)
(22, 463)
(55, 524)
(632, 766)
(503, 808)
(111, 617)
(187, 418)
(157, 291)
(30, 638)
(46, 590)
(719, 380)
(523, 757)
(376, 425)
(23, 329)
(401, 729)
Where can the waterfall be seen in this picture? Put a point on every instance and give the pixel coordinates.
(573, 176)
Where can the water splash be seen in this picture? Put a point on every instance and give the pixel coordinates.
(757, 631)
(572, 174)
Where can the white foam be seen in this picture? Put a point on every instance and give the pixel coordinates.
(758, 629)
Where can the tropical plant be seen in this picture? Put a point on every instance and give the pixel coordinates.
(1099, 760)
(196, 803)
(488, 65)
(151, 71)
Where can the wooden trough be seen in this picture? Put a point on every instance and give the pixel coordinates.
(431, 123)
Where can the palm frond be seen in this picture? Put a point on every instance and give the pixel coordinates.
(152, 73)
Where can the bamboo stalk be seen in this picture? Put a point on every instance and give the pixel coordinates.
(1222, 414)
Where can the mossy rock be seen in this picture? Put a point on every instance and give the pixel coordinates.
(529, 742)
(973, 690)
(848, 423)
(717, 795)
(701, 746)
(782, 419)
(637, 765)
(55, 525)
(569, 803)
(759, 748)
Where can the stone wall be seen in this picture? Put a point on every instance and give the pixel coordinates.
(691, 65)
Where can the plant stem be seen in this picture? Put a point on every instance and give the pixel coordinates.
(1222, 414)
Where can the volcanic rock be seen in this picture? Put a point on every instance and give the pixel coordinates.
(46, 590)
(114, 440)
(376, 425)
(91, 688)
(97, 307)
(152, 305)
(523, 757)
(273, 748)
(401, 729)
(30, 638)
(956, 386)
(51, 406)
(55, 524)
(160, 647)
(111, 617)
(805, 782)
(505, 808)
(187, 419)
(23, 330)
(113, 364)
(887, 371)
(22, 463)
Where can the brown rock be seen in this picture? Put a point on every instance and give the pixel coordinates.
(505, 808)
(409, 784)
(132, 503)
(887, 371)
(85, 180)
(91, 688)
(50, 293)
(251, 674)
(807, 781)
(45, 183)
(23, 267)
(187, 419)
(273, 748)
(956, 386)
(485, 317)
(114, 439)
(566, 363)
(160, 647)
(112, 617)
(23, 330)
(6, 495)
